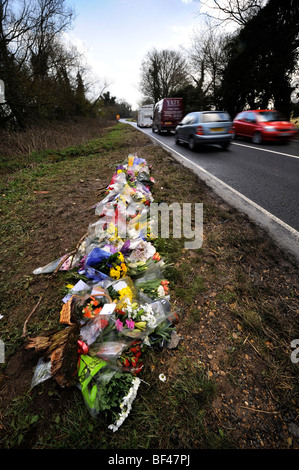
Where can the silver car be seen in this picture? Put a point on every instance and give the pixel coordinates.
(205, 127)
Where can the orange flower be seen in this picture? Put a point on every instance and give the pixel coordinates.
(97, 310)
(87, 312)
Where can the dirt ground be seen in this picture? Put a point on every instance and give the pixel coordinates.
(246, 407)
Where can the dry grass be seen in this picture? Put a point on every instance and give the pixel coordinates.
(52, 135)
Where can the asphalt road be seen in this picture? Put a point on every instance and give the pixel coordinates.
(266, 174)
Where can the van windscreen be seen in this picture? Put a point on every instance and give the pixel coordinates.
(215, 117)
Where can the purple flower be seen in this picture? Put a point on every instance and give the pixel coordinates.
(82, 262)
(125, 249)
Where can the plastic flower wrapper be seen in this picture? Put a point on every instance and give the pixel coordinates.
(137, 226)
(152, 287)
(92, 329)
(71, 261)
(151, 266)
(107, 392)
(42, 372)
(87, 370)
(145, 179)
(116, 185)
(162, 334)
(137, 165)
(81, 288)
(109, 343)
(141, 251)
(122, 290)
(131, 195)
(100, 264)
(135, 320)
(131, 360)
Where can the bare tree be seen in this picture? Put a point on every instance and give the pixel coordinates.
(52, 18)
(34, 64)
(237, 11)
(162, 73)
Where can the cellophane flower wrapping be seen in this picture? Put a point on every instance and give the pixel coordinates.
(124, 306)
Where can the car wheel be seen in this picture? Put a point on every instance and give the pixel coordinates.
(225, 145)
(176, 139)
(257, 138)
(191, 142)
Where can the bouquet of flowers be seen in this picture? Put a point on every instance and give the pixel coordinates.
(135, 320)
(122, 306)
(106, 391)
(122, 292)
(100, 264)
(130, 360)
(153, 288)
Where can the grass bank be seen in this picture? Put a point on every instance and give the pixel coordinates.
(230, 382)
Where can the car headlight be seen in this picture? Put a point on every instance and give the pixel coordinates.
(270, 128)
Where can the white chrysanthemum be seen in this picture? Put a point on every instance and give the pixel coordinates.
(126, 405)
(149, 319)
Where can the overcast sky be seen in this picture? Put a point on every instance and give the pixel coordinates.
(115, 35)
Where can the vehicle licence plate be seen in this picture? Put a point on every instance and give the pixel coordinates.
(217, 129)
(167, 123)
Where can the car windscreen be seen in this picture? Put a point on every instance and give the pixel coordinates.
(215, 117)
(270, 116)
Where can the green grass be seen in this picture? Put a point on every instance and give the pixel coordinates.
(236, 277)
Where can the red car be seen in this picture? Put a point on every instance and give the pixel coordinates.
(262, 125)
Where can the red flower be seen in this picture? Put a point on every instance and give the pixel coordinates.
(103, 322)
(82, 347)
(134, 361)
(117, 310)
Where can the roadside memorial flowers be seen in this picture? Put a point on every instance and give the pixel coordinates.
(121, 305)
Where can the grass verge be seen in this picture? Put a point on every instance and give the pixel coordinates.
(230, 382)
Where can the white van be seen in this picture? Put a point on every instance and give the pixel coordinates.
(145, 115)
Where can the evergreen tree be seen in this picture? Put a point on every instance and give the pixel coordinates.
(262, 58)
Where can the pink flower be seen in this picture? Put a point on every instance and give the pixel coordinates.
(119, 325)
(130, 324)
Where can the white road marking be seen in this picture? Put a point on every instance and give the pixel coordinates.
(265, 150)
(246, 199)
